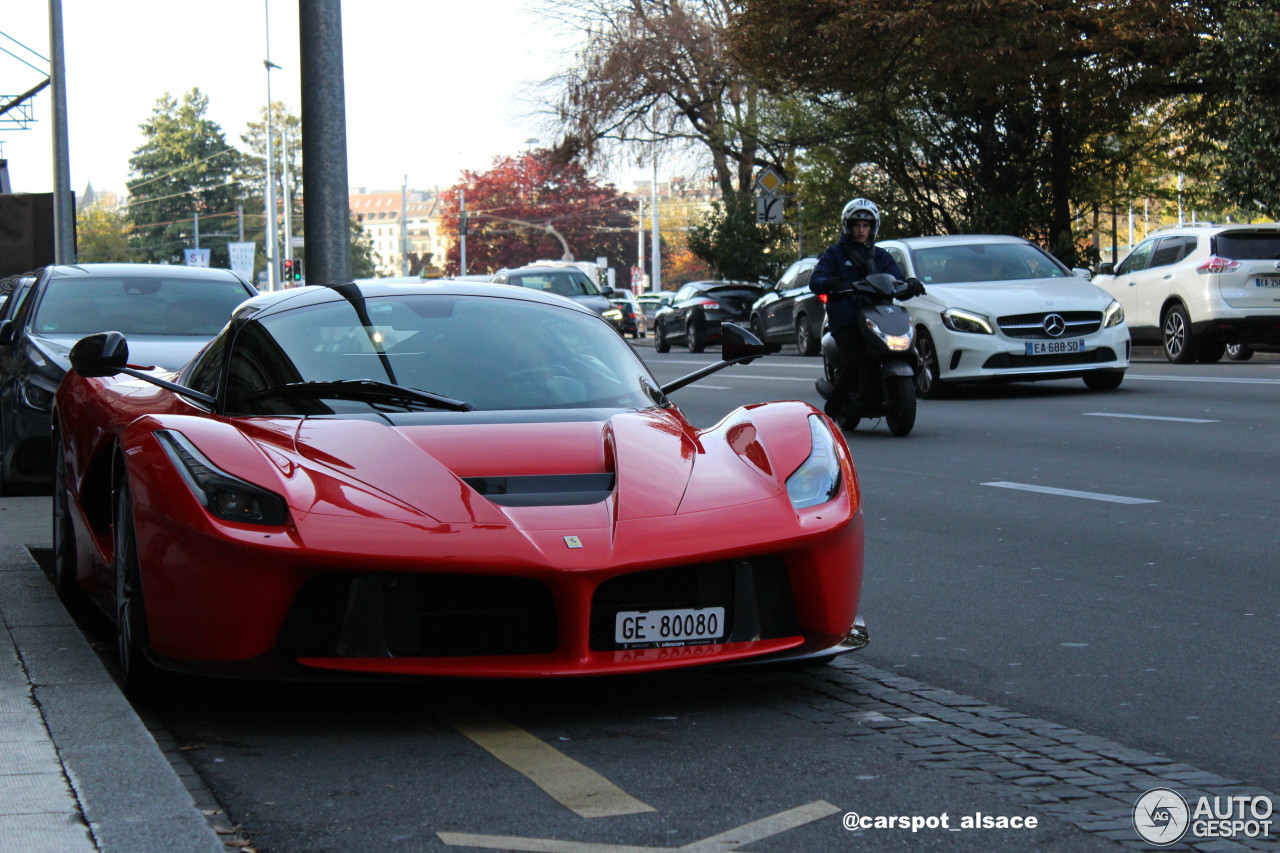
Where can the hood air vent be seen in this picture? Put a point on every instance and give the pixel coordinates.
(544, 489)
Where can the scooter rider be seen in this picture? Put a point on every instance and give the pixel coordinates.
(852, 259)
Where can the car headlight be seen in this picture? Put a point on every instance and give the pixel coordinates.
(36, 396)
(817, 480)
(958, 320)
(1113, 316)
(223, 495)
(897, 343)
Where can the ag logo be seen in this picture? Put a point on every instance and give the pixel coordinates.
(1160, 816)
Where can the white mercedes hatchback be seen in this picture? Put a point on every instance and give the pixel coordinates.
(1001, 308)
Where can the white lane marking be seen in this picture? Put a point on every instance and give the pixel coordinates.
(724, 841)
(1152, 418)
(1069, 493)
(1238, 381)
(573, 785)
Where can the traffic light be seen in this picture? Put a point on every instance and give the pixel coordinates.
(292, 271)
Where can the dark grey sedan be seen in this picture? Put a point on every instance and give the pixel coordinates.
(168, 312)
(791, 313)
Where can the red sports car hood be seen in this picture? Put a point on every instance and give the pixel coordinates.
(659, 464)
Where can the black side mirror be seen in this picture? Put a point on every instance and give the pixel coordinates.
(101, 354)
(1107, 269)
(607, 291)
(737, 342)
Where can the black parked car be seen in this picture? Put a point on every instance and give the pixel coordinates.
(791, 313)
(694, 316)
(168, 312)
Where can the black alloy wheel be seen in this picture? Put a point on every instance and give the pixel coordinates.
(928, 383)
(64, 538)
(694, 334)
(132, 636)
(806, 341)
(660, 342)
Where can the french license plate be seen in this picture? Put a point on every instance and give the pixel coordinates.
(668, 626)
(1055, 347)
(1266, 282)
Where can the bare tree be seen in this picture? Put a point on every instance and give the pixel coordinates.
(658, 72)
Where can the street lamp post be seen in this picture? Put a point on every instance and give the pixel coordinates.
(273, 273)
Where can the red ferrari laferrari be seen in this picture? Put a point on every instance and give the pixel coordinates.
(449, 479)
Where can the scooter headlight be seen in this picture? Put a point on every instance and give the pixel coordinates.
(817, 480)
(896, 343)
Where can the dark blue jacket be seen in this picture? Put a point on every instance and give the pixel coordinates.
(845, 263)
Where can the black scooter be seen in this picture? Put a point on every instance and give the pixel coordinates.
(887, 387)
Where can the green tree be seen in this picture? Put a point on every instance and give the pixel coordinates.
(364, 259)
(102, 235)
(738, 249)
(978, 122)
(1248, 61)
(182, 170)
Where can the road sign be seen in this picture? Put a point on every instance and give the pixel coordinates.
(769, 181)
(768, 209)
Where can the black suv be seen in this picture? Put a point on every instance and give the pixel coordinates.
(789, 312)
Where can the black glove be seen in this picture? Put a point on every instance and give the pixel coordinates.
(915, 287)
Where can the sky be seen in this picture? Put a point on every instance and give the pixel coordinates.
(432, 86)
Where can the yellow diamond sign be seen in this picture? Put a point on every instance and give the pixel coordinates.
(769, 180)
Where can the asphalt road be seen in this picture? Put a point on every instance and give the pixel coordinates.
(1154, 622)
(1091, 574)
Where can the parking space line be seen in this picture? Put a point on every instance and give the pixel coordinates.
(1153, 418)
(721, 843)
(1069, 493)
(573, 785)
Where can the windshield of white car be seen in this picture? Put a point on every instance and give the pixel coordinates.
(144, 305)
(491, 352)
(977, 263)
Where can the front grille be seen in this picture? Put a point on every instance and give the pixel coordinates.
(406, 615)
(756, 596)
(1031, 326)
(1004, 361)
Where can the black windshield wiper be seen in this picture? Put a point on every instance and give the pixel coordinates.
(365, 390)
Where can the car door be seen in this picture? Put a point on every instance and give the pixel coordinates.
(778, 306)
(677, 319)
(1124, 286)
(1153, 284)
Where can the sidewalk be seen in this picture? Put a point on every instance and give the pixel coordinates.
(79, 772)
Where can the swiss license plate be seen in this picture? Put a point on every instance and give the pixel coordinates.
(1266, 282)
(668, 626)
(1055, 347)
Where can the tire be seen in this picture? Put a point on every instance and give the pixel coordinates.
(1211, 352)
(660, 342)
(64, 537)
(1239, 352)
(1179, 346)
(902, 413)
(1103, 380)
(757, 329)
(928, 383)
(806, 342)
(693, 336)
(132, 636)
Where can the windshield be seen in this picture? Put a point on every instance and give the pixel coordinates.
(562, 282)
(982, 262)
(488, 352)
(145, 305)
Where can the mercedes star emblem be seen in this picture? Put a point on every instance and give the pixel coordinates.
(1054, 325)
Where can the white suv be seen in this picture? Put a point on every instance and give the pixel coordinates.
(1198, 289)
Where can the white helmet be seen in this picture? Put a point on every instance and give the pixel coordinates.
(860, 208)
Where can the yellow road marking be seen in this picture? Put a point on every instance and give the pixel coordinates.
(575, 786)
(725, 841)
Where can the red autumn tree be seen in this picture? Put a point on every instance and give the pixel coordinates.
(551, 197)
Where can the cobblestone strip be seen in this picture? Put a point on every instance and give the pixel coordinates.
(1082, 779)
